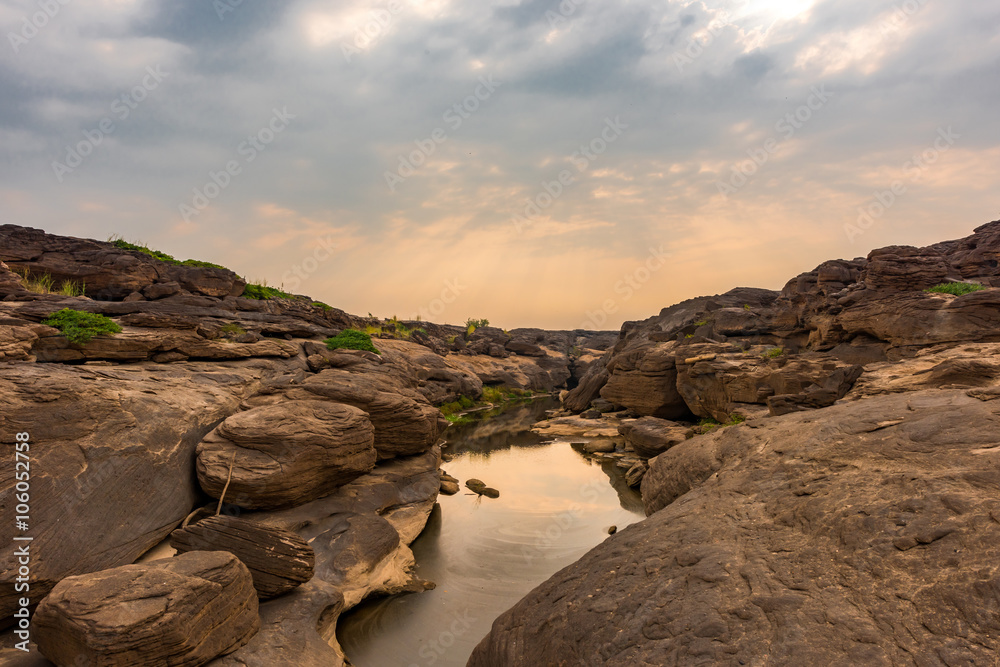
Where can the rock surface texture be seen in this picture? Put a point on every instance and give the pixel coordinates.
(178, 611)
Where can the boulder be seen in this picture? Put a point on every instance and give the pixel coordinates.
(651, 436)
(644, 378)
(286, 454)
(278, 559)
(186, 610)
(865, 534)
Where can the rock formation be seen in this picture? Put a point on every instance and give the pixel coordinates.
(852, 517)
(177, 611)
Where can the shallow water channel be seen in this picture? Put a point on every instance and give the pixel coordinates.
(486, 554)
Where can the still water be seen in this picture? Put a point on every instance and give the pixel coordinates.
(485, 554)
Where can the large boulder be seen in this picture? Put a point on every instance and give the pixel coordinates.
(278, 559)
(864, 534)
(651, 436)
(178, 611)
(286, 454)
(112, 457)
(644, 378)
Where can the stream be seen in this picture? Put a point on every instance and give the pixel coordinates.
(485, 554)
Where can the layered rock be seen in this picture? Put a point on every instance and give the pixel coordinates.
(283, 455)
(279, 560)
(651, 436)
(186, 610)
(865, 533)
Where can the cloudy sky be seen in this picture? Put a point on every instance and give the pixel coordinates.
(532, 162)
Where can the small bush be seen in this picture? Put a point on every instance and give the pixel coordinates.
(351, 339)
(958, 289)
(320, 304)
(122, 244)
(773, 353)
(262, 292)
(79, 327)
(472, 324)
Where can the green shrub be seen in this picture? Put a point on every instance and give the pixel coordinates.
(701, 323)
(122, 244)
(472, 324)
(79, 327)
(320, 304)
(262, 292)
(351, 339)
(958, 289)
(773, 353)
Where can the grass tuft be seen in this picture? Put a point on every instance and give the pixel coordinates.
(79, 327)
(120, 243)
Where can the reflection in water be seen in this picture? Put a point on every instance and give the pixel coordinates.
(486, 554)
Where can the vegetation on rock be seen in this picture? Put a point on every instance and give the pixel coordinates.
(958, 289)
(80, 327)
(262, 292)
(122, 244)
(351, 339)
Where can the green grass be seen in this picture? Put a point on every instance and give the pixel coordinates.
(79, 327)
(122, 244)
(72, 288)
(233, 329)
(708, 425)
(320, 304)
(262, 292)
(773, 353)
(351, 339)
(958, 289)
(701, 323)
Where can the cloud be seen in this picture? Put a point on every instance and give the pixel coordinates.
(701, 87)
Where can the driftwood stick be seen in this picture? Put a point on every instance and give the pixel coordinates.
(218, 510)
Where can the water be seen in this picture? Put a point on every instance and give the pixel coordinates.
(485, 554)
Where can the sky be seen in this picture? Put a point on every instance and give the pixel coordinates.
(567, 164)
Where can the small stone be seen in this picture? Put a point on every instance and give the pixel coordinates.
(612, 530)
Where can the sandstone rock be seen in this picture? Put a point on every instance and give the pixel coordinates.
(645, 380)
(115, 453)
(286, 454)
(634, 475)
(650, 436)
(601, 446)
(178, 611)
(278, 559)
(811, 538)
(108, 272)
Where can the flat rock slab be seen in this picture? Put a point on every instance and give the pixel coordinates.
(278, 559)
(182, 611)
